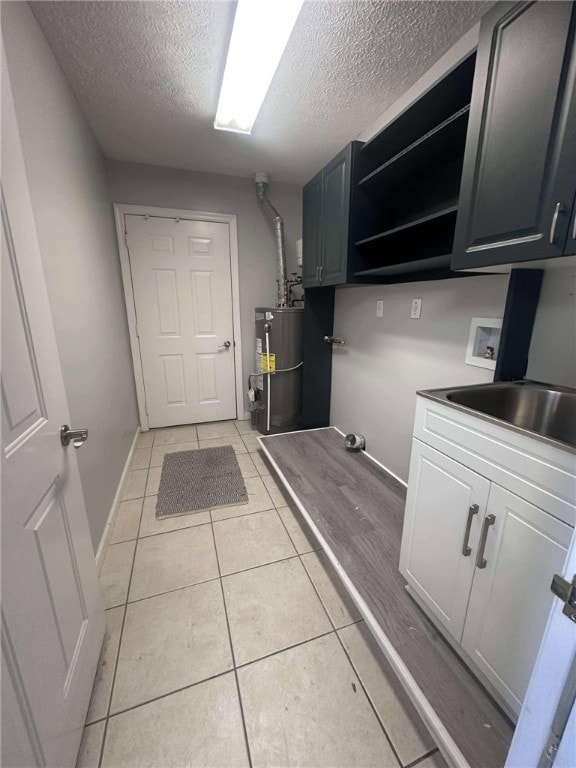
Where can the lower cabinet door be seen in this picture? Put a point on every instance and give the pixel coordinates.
(445, 506)
(511, 598)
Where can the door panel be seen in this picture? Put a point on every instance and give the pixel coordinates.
(52, 617)
(525, 547)
(440, 494)
(183, 297)
(520, 154)
(312, 231)
(335, 218)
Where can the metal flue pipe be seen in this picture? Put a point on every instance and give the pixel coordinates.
(262, 181)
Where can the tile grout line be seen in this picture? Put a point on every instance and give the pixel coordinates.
(246, 741)
(335, 630)
(424, 757)
(105, 734)
(213, 677)
(220, 578)
(168, 693)
(207, 581)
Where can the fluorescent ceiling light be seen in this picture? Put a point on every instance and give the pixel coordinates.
(260, 34)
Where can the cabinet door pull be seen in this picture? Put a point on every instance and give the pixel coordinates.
(481, 561)
(557, 211)
(321, 271)
(466, 548)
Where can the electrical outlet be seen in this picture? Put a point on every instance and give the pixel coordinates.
(416, 309)
(380, 308)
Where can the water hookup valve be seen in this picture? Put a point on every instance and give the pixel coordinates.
(355, 442)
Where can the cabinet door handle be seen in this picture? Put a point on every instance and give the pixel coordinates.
(557, 211)
(321, 272)
(466, 549)
(481, 561)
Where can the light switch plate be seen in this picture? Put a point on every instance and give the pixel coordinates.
(380, 308)
(416, 309)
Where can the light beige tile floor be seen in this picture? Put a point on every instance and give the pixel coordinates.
(231, 640)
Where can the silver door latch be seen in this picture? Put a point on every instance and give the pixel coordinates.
(75, 436)
(566, 592)
(334, 340)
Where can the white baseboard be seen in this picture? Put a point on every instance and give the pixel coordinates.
(112, 514)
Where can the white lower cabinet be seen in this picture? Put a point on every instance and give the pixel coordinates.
(480, 558)
(443, 497)
(510, 598)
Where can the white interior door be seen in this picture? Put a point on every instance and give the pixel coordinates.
(552, 671)
(52, 619)
(181, 278)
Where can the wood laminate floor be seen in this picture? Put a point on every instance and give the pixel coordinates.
(358, 509)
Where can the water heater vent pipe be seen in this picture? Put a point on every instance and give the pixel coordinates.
(262, 180)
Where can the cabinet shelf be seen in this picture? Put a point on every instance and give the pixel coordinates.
(409, 267)
(420, 225)
(443, 143)
(431, 109)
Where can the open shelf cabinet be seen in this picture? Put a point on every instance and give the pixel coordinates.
(412, 177)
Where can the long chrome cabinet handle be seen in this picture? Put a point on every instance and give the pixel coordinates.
(557, 211)
(466, 548)
(321, 272)
(481, 561)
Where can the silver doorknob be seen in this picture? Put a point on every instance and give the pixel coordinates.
(75, 436)
(226, 345)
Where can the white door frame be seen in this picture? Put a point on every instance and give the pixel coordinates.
(120, 210)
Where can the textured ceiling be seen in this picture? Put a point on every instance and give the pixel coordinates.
(147, 75)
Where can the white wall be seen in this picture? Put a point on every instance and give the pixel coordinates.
(552, 357)
(171, 188)
(78, 244)
(386, 360)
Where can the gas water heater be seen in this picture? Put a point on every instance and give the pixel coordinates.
(278, 383)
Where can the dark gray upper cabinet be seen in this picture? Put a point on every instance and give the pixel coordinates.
(336, 182)
(326, 220)
(519, 175)
(311, 231)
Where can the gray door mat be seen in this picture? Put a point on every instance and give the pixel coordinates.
(202, 479)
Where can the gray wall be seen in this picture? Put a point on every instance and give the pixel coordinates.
(386, 360)
(189, 190)
(552, 356)
(78, 244)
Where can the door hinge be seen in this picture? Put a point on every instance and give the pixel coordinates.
(126, 238)
(136, 330)
(566, 592)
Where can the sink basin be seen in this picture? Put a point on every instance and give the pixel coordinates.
(542, 409)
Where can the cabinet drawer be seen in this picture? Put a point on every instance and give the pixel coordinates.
(540, 473)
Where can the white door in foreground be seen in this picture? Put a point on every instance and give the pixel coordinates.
(52, 619)
(541, 713)
(183, 299)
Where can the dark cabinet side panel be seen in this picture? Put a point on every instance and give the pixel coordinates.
(520, 158)
(317, 369)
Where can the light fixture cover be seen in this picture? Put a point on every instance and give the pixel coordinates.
(261, 31)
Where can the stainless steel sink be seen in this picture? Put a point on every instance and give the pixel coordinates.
(544, 410)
